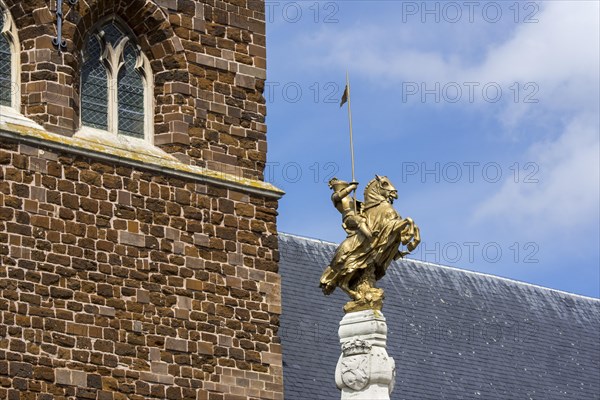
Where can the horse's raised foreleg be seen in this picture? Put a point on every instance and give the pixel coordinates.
(415, 240)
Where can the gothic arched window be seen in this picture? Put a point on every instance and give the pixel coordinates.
(116, 84)
(9, 60)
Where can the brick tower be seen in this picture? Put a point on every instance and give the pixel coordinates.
(138, 239)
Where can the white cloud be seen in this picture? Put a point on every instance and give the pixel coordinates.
(566, 197)
(563, 58)
(559, 54)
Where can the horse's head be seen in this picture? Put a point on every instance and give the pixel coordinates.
(386, 188)
(380, 189)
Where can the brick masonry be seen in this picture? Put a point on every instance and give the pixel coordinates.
(117, 283)
(208, 60)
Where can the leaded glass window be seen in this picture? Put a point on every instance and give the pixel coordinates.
(112, 34)
(131, 96)
(6, 62)
(94, 92)
(116, 86)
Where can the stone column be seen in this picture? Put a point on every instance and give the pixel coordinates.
(364, 370)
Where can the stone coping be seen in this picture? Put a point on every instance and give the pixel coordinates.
(135, 153)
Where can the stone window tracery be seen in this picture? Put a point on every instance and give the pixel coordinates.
(116, 84)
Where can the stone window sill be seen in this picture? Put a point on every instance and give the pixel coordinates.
(124, 150)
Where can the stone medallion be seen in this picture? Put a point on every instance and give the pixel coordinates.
(355, 371)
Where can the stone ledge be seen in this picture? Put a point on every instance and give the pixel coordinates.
(23, 130)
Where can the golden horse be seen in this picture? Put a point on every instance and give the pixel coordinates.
(359, 262)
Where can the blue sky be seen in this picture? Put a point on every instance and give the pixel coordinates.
(485, 116)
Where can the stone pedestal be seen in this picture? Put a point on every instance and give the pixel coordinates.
(364, 370)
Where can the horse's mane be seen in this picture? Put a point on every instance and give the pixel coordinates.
(372, 195)
(369, 186)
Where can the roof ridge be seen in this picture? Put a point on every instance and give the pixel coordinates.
(306, 238)
(522, 283)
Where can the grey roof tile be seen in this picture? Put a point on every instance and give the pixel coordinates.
(454, 334)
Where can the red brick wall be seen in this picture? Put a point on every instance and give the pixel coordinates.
(121, 283)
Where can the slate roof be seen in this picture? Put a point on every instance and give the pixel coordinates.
(454, 334)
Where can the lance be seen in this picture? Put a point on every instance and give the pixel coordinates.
(346, 99)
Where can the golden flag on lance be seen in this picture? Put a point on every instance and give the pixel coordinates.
(344, 96)
(346, 99)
